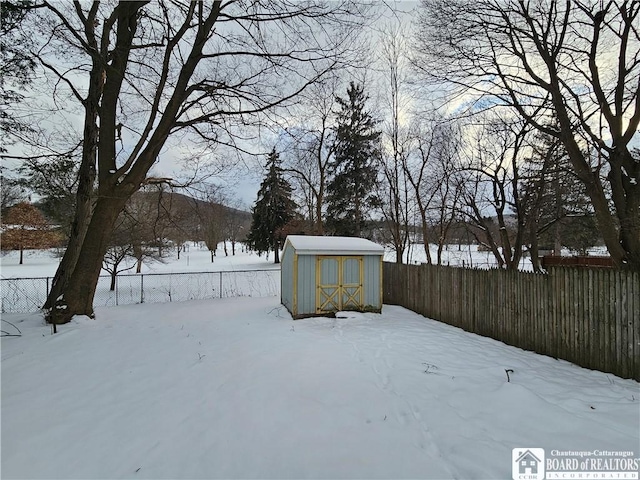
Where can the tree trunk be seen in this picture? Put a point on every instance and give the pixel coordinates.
(86, 180)
(319, 228)
(399, 255)
(72, 252)
(21, 254)
(605, 220)
(626, 198)
(78, 295)
(212, 252)
(276, 252)
(533, 248)
(558, 207)
(425, 232)
(112, 287)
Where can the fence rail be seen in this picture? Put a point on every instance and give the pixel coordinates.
(23, 295)
(588, 316)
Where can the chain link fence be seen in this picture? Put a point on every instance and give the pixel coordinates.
(24, 295)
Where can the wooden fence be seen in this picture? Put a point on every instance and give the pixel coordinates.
(588, 316)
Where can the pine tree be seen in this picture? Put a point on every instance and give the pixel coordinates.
(557, 208)
(351, 190)
(16, 65)
(273, 210)
(54, 180)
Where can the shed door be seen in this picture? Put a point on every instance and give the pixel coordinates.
(339, 283)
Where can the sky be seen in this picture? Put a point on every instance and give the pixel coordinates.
(243, 179)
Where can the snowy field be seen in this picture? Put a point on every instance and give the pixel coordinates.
(39, 263)
(454, 255)
(43, 263)
(233, 388)
(244, 275)
(191, 277)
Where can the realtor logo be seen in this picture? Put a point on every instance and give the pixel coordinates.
(527, 463)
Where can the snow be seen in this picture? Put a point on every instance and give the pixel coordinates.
(455, 255)
(319, 245)
(196, 258)
(233, 388)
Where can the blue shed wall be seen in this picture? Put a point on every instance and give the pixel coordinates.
(306, 285)
(301, 269)
(286, 278)
(372, 281)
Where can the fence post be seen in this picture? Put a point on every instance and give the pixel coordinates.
(142, 288)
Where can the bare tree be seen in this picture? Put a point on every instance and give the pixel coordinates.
(117, 252)
(236, 222)
(493, 201)
(573, 61)
(139, 226)
(211, 214)
(213, 227)
(311, 149)
(432, 170)
(395, 187)
(156, 69)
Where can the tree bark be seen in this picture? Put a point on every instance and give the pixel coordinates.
(177, 93)
(77, 298)
(86, 180)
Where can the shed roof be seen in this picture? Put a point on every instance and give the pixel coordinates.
(318, 245)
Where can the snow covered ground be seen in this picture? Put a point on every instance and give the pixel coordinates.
(29, 292)
(43, 263)
(24, 287)
(233, 388)
(39, 263)
(454, 255)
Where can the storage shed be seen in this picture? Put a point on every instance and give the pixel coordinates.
(323, 275)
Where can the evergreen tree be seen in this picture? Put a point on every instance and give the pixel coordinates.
(273, 210)
(351, 189)
(559, 213)
(16, 64)
(55, 181)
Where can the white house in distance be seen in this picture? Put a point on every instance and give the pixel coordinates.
(324, 275)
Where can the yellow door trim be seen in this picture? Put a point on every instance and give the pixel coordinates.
(334, 297)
